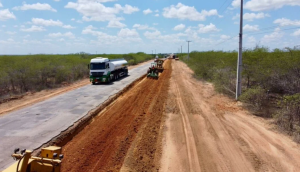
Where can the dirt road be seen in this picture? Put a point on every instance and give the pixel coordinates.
(178, 123)
(206, 131)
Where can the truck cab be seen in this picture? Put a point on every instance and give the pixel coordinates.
(105, 70)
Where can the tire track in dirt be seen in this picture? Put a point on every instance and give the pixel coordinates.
(103, 144)
(190, 141)
(226, 137)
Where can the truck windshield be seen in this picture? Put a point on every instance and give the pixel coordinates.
(96, 66)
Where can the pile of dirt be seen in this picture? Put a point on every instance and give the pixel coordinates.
(129, 126)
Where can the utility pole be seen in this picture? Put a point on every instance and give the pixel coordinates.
(155, 51)
(181, 49)
(188, 48)
(239, 62)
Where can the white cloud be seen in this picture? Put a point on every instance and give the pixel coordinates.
(148, 11)
(10, 33)
(124, 36)
(43, 22)
(158, 38)
(179, 27)
(152, 35)
(1, 5)
(26, 36)
(67, 34)
(236, 3)
(252, 16)
(33, 29)
(156, 11)
(6, 15)
(156, 15)
(184, 12)
(296, 33)
(207, 28)
(274, 36)
(142, 27)
(128, 33)
(263, 5)
(127, 9)
(39, 21)
(224, 37)
(248, 27)
(93, 10)
(37, 6)
(116, 24)
(16, 26)
(155, 24)
(3, 25)
(57, 0)
(68, 27)
(72, 19)
(251, 39)
(287, 22)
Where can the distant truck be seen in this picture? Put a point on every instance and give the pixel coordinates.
(105, 70)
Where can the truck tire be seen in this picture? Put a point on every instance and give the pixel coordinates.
(93, 83)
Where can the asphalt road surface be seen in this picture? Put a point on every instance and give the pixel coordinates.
(33, 126)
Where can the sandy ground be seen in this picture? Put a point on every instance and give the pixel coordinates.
(32, 98)
(205, 131)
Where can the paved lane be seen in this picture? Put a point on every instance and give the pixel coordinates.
(33, 126)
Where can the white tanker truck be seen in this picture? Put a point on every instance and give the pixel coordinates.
(105, 70)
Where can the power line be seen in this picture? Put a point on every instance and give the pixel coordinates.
(226, 40)
(266, 28)
(273, 31)
(223, 10)
(255, 33)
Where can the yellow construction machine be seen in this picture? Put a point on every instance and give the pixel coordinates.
(49, 161)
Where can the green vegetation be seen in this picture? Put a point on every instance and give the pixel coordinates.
(19, 74)
(270, 80)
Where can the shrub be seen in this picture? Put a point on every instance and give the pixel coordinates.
(254, 96)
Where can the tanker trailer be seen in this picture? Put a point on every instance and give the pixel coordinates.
(105, 70)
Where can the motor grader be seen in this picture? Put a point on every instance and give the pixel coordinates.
(155, 69)
(49, 161)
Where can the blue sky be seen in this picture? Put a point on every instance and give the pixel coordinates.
(124, 26)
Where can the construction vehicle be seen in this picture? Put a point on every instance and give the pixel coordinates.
(160, 63)
(49, 161)
(152, 71)
(155, 69)
(105, 70)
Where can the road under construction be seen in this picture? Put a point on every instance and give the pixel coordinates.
(174, 123)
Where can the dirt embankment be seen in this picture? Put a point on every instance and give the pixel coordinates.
(18, 102)
(127, 131)
(206, 131)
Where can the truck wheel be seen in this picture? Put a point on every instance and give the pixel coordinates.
(93, 83)
(108, 80)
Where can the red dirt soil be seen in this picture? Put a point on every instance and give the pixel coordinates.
(135, 118)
